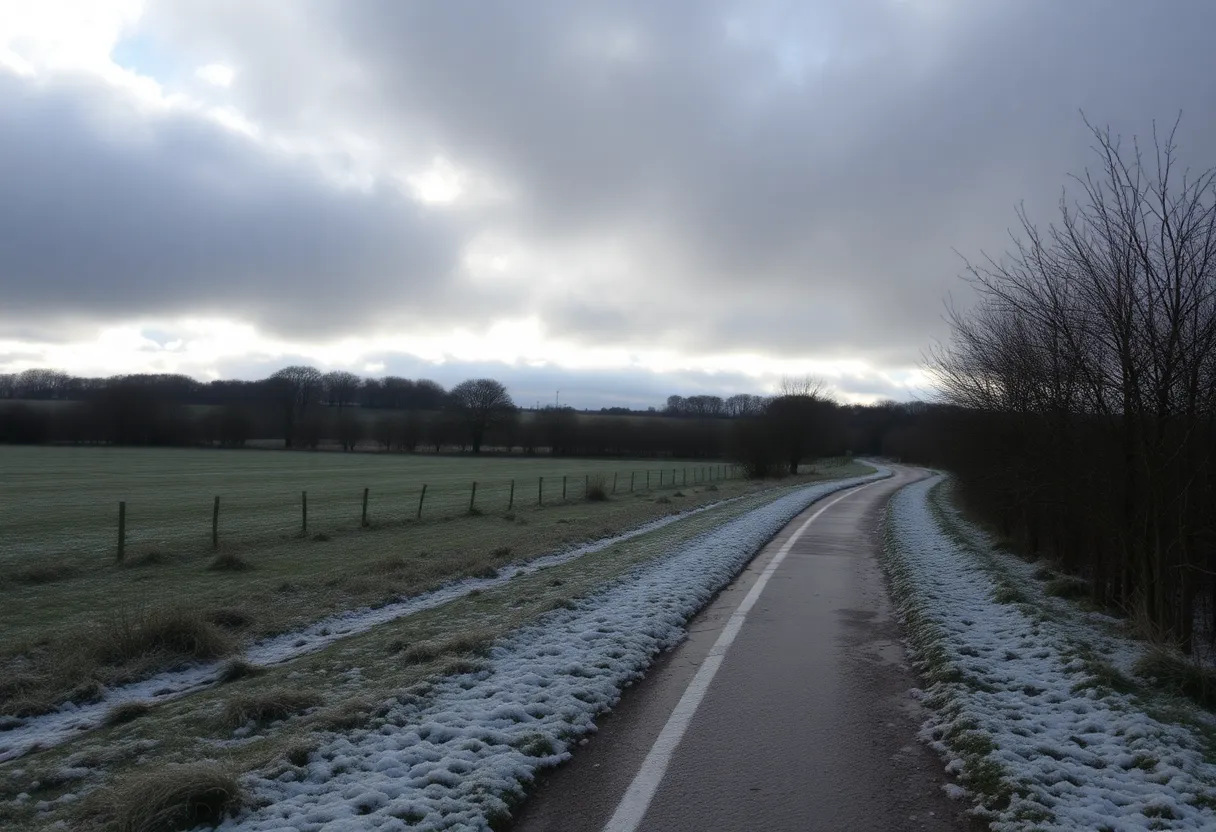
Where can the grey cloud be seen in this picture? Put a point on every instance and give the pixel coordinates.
(175, 215)
(784, 177)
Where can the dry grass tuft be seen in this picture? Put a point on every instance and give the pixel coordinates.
(230, 618)
(389, 565)
(147, 557)
(597, 489)
(43, 573)
(297, 754)
(467, 644)
(234, 670)
(125, 712)
(266, 706)
(169, 798)
(1067, 586)
(1172, 671)
(173, 632)
(228, 562)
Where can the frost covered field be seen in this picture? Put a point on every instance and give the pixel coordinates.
(461, 755)
(1019, 705)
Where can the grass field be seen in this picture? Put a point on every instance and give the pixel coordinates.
(59, 505)
(62, 610)
(69, 634)
(344, 687)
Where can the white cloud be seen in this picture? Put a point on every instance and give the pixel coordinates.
(65, 34)
(218, 75)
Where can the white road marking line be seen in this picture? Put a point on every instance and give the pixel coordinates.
(632, 808)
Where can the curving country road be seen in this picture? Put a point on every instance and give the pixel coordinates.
(786, 708)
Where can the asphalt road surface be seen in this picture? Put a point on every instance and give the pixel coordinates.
(786, 708)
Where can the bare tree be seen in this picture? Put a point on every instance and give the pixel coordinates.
(340, 387)
(807, 386)
(296, 387)
(481, 404)
(1085, 386)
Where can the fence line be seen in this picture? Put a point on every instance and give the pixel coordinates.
(169, 524)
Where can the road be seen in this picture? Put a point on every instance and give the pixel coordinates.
(805, 725)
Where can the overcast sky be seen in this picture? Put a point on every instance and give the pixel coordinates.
(620, 200)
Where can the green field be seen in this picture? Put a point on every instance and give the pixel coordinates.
(64, 595)
(75, 621)
(60, 635)
(60, 504)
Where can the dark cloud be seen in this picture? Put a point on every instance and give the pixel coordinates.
(109, 213)
(774, 177)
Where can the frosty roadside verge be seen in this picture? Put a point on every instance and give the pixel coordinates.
(1016, 713)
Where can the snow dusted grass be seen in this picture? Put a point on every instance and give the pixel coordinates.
(52, 613)
(356, 680)
(1033, 700)
(462, 755)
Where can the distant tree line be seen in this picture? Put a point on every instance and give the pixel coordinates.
(303, 408)
(1079, 396)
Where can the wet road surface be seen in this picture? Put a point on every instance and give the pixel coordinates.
(806, 724)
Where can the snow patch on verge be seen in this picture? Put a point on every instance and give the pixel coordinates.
(71, 719)
(463, 758)
(1015, 713)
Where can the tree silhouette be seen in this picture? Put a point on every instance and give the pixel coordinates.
(480, 403)
(295, 388)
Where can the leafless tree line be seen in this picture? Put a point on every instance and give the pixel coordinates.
(1082, 386)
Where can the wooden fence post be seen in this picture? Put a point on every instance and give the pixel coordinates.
(473, 497)
(563, 488)
(421, 497)
(122, 530)
(614, 476)
(632, 474)
(647, 479)
(363, 522)
(215, 523)
(511, 499)
(304, 514)
(540, 491)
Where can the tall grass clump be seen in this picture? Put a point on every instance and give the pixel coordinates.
(167, 799)
(159, 632)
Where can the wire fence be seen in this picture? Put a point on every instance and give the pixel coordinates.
(179, 519)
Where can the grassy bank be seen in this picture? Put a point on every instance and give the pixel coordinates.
(260, 720)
